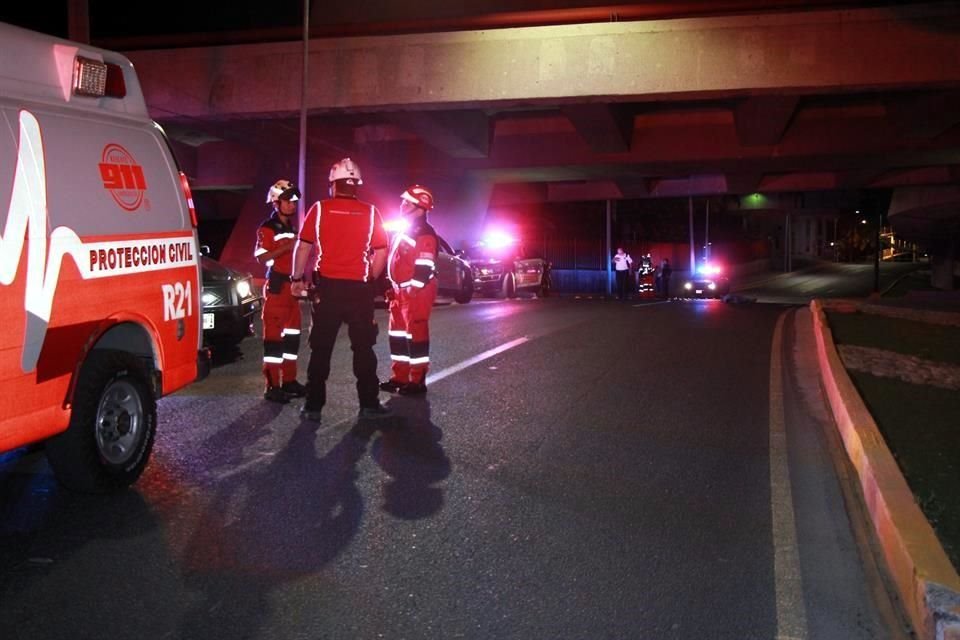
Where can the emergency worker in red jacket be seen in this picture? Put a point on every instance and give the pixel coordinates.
(411, 267)
(281, 310)
(351, 245)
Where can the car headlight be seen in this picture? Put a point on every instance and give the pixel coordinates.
(688, 285)
(243, 288)
(712, 286)
(208, 298)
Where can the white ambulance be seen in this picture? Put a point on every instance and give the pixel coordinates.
(99, 277)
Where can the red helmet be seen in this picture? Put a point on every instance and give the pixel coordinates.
(418, 195)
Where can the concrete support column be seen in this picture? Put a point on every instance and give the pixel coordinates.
(238, 251)
(943, 262)
(78, 20)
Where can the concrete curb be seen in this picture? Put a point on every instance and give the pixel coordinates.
(925, 579)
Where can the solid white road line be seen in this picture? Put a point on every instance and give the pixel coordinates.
(791, 612)
(449, 371)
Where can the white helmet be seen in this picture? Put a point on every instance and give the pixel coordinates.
(346, 169)
(283, 189)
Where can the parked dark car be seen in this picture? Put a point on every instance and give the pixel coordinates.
(454, 278)
(230, 301)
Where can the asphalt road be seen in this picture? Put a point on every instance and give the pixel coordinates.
(578, 469)
(821, 280)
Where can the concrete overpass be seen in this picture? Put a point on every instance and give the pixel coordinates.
(792, 101)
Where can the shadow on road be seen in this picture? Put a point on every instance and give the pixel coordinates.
(81, 566)
(211, 534)
(274, 521)
(410, 453)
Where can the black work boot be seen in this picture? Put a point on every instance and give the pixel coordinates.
(310, 414)
(391, 386)
(374, 412)
(275, 394)
(294, 389)
(413, 389)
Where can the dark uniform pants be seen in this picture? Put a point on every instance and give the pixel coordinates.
(281, 334)
(339, 302)
(623, 283)
(410, 332)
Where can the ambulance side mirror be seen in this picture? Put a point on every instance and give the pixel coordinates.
(204, 249)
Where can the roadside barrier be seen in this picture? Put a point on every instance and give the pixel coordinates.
(926, 581)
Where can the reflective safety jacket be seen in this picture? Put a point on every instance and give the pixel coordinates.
(413, 256)
(347, 231)
(269, 236)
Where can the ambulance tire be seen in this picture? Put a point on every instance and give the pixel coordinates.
(112, 427)
(465, 294)
(509, 286)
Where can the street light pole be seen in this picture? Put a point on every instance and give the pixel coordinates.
(304, 84)
(787, 236)
(609, 249)
(876, 255)
(693, 247)
(78, 21)
(706, 234)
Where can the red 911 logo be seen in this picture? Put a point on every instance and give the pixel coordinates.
(122, 177)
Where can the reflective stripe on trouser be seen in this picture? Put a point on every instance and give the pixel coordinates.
(281, 336)
(410, 332)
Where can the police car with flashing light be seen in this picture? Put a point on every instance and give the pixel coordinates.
(501, 267)
(709, 281)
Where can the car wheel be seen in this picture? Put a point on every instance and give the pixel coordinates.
(509, 286)
(112, 426)
(465, 294)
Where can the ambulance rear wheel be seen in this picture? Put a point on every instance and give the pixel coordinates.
(112, 426)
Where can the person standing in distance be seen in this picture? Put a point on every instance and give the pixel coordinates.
(281, 310)
(411, 268)
(665, 272)
(351, 246)
(621, 265)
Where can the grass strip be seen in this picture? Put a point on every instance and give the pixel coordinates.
(938, 343)
(921, 425)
